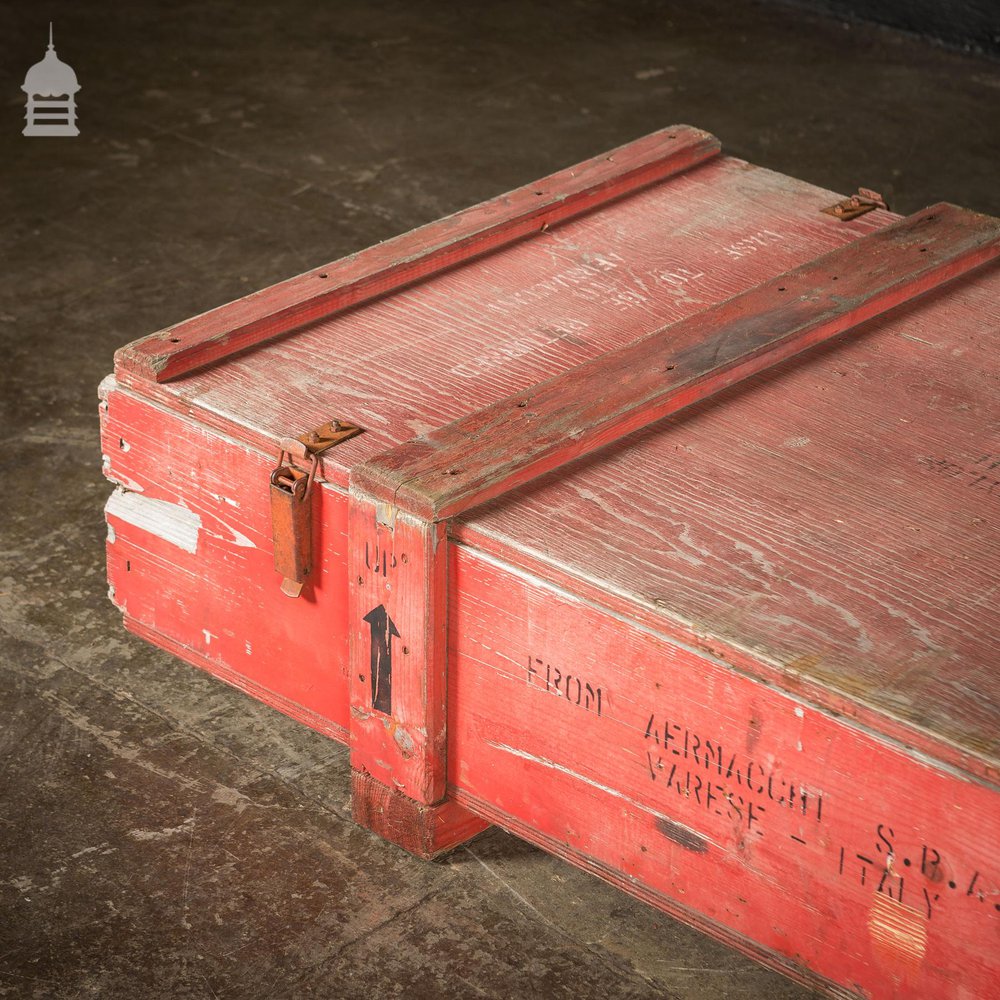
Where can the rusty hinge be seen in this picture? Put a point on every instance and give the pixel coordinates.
(850, 208)
(291, 500)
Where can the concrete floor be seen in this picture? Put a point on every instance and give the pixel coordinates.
(162, 835)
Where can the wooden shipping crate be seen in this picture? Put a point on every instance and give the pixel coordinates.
(544, 509)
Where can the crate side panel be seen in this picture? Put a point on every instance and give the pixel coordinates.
(820, 841)
(190, 558)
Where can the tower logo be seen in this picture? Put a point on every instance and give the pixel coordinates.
(51, 87)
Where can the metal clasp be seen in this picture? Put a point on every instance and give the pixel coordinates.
(291, 488)
(858, 204)
(291, 522)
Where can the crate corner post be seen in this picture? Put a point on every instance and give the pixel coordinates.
(397, 566)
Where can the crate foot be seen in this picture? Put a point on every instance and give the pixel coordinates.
(425, 831)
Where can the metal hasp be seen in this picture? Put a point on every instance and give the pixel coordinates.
(858, 204)
(291, 501)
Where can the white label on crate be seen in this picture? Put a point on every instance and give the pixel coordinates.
(169, 521)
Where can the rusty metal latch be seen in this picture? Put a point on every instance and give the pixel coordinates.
(850, 208)
(291, 500)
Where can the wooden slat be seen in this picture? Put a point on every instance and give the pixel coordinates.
(397, 618)
(504, 445)
(413, 256)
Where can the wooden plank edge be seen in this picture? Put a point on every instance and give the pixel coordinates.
(415, 256)
(508, 443)
(667, 904)
(237, 680)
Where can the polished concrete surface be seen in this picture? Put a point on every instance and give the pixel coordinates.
(162, 835)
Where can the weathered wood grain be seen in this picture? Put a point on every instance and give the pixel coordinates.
(398, 262)
(413, 361)
(493, 450)
(731, 804)
(830, 527)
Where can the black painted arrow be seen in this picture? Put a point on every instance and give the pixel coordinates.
(383, 629)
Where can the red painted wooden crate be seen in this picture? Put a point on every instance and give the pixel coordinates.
(733, 647)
